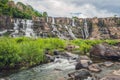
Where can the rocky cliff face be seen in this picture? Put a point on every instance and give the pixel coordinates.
(65, 28)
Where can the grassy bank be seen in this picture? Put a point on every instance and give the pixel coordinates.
(25, 51)
(19, 52)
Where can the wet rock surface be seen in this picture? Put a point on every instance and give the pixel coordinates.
(80, 75)
(105, 51)
(115, 75)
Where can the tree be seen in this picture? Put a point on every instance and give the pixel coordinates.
(3, 1)
(45, 14)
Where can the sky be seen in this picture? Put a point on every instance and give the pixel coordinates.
(79, 8)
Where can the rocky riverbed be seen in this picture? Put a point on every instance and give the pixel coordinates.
(69, 66)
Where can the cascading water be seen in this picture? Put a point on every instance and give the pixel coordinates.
(82, 32)
(47, 19)
(56, 31)
(70, 32)
(23, 23)
(2, 32)
(73, 22)
(16, 28)
(85, 29)
(51, 71)
(29, 31)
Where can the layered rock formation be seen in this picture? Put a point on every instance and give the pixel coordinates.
(62, 27)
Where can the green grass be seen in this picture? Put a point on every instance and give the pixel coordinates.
(86, 45)
(28, 51)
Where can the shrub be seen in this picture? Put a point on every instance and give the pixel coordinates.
(31, 52)
(9, 53)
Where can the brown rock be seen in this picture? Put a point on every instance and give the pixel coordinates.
(108, 64)
(105, 51)
(115, 75)
(94, 68)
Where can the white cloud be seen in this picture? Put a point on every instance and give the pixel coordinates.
(62, 8)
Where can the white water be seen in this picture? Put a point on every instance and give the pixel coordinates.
(70, 32)
(16, 27)
(29, 31)
(47, 19)
(2, 32)
(85, 30)
(51, 71)
(73, 22)
(56, 31)
(24, 24)
(82, 33)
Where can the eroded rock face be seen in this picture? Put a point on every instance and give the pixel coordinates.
(98, 28)
(105, 51)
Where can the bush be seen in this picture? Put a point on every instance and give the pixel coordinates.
(31, 53)
(9, 53)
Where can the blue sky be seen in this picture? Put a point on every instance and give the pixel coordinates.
(87, 8)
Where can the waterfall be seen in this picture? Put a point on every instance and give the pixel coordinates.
(73, 22)
(70, 32)
(47, 19)
(16, 23)
(82, 33)
(29, 31)
(16, 28)
(56, 31)
(85, 28)
(2, 32)
(23, 23)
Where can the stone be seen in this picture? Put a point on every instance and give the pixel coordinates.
(49, 58)
(70, 55)
(78, 66)
(111, 77)
(115, 75)
(80, 75)
(108, 64)
(84, 58)
(56, 52)
(94, 68)
(70, 47)
(105, 51)
(85, 63)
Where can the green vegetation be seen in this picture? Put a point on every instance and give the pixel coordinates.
(18, 10)
(86, 45)
(28, 52)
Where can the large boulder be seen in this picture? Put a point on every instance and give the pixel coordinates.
(80, 75)
(105, 51)
(83, 62)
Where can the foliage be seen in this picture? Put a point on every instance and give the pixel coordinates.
(19, 10)
(45, 14)
(9, 53)
(85, 45)
(111, 42)
(26, 50)
(30, 51)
